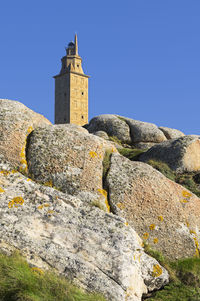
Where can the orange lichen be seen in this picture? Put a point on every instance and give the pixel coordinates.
(1, 190)
(152, 226)
(93, 154)
(157, 270)
(145, 236)
(155, 240)
(160, 218)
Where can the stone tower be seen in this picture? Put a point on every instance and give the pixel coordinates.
(71, 89)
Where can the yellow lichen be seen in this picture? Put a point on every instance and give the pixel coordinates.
(37, 270)
(16, 202)
(105, 194)
(193, 232)
(4, 172)
(30, 129)
(152, 226)
(145, 236)
(184, 201)
(50, 212)
(93, 154)
(49, 183)
(121, 206)
(40, 206)
(157, 270)
(126, 224)
(186, 194)
(46, 205)
(1, 190)
(160, 218)
(155, 240)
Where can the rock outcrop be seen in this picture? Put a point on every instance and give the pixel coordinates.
(69, 158)
(112, 125)
(94, 249)
(16, 123)
(136, 133)
(171, 133)
(182, 154)
(163, 213)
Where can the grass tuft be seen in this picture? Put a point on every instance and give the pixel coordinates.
(184, 278)
(20, 282)
(130, 153)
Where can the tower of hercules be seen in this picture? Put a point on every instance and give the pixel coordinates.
(71, 89)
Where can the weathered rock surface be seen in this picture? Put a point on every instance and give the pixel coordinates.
(144, 131)
(182, 154)
(171, 133)
(16, 122)
(102, 134)
(97, 250)
(112, 125)
(70, 159)
(163, 213)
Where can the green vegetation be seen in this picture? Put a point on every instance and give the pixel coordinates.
(106, 163)
(191, 180)
(131, 153)
(184, 279)
(20, 282)
(115, 139)
(163, 168)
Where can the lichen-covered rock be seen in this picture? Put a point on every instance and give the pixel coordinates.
(16, 122)
(111, 124)
(144, 131)
(171, 133)
(163, 213)
(182, 154)
(70, 159)
(94, 249)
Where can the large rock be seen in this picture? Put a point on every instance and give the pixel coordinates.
(16, 122)
(111, 124)
(70, 159)
(163, 213)
(182, 154)
(144, 131)
(171, 133)
(94, 249)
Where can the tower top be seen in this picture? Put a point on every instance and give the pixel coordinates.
(72, 48)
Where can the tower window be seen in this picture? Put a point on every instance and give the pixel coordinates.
(82, 93)
(78, 65)
(82, 117)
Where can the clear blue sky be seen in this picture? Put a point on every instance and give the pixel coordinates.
(143, 56)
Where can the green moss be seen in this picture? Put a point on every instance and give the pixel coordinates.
(130, 153)
(184, 278)
(20, 282)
